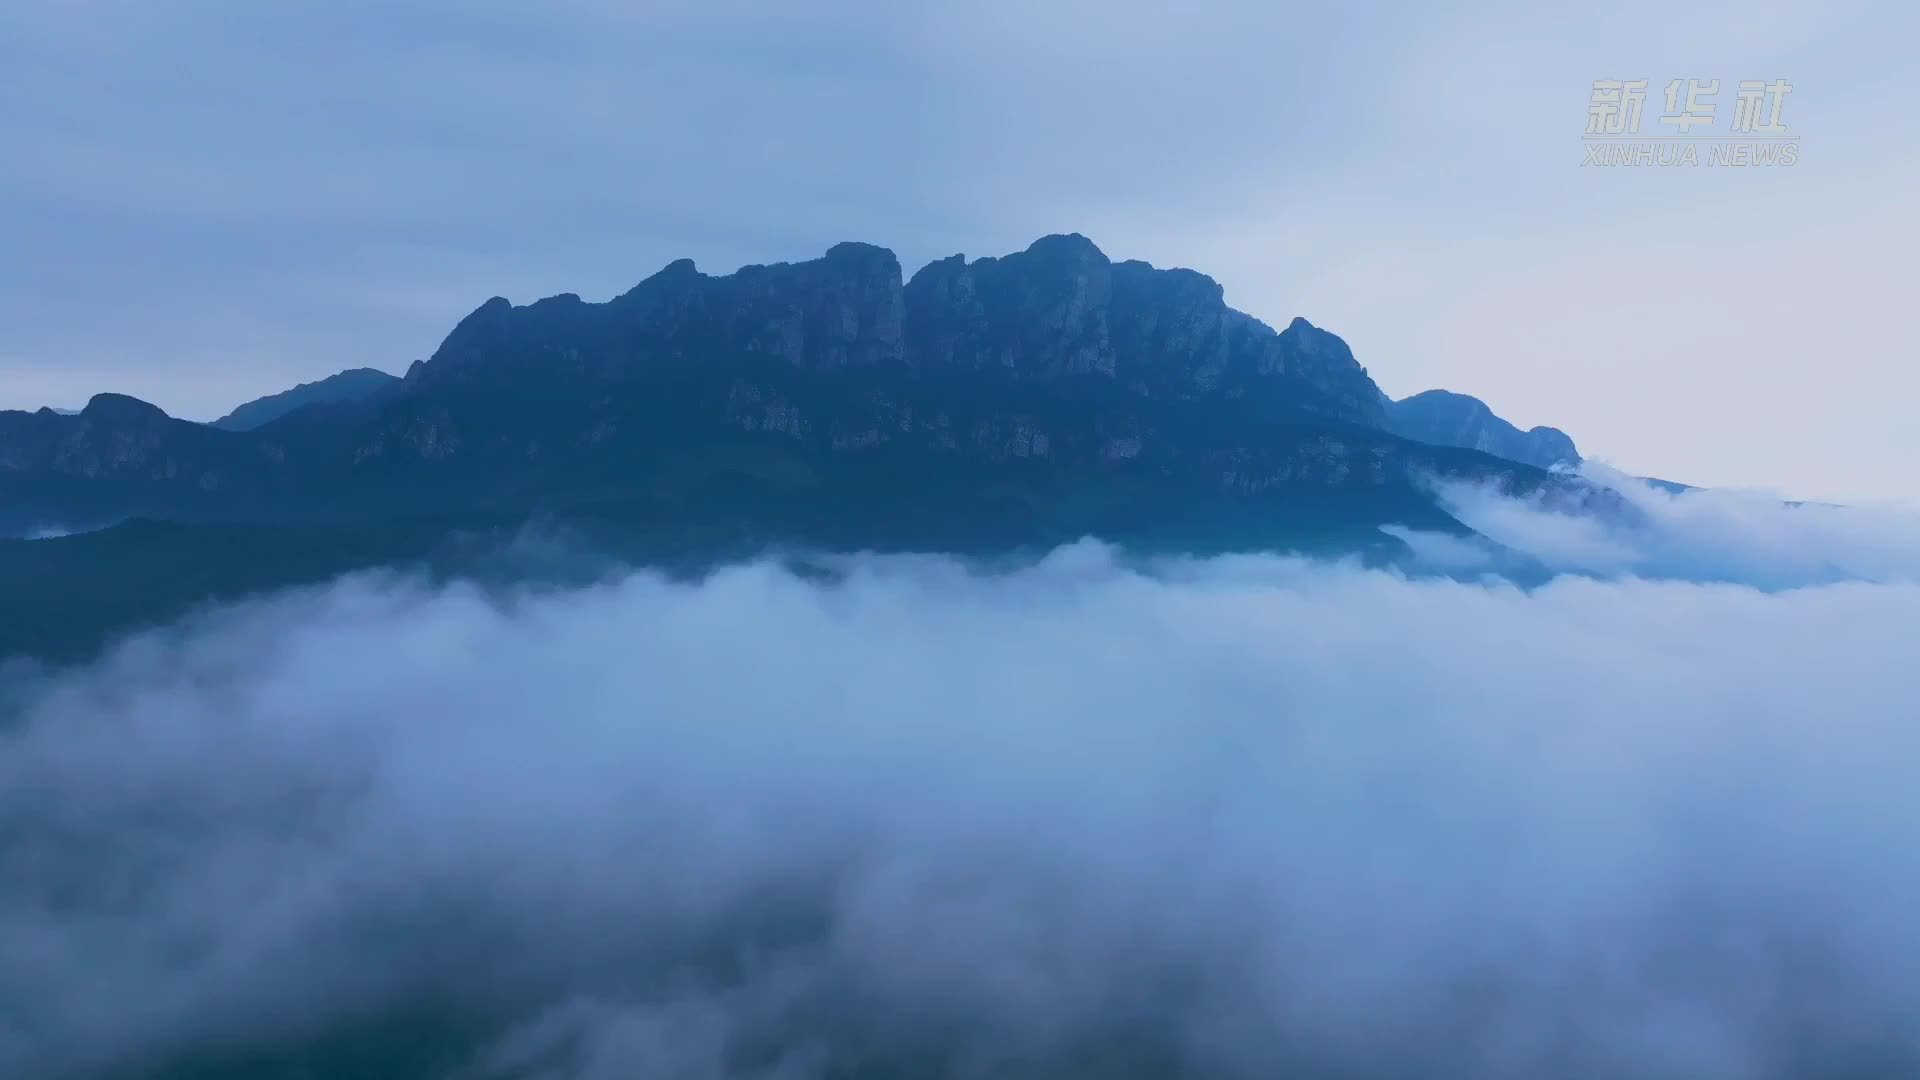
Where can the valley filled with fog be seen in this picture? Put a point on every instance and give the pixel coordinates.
(908, 815)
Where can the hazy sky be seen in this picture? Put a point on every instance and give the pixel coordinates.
(208, 201)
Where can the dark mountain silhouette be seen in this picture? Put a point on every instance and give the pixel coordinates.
(986, 406)
(356, 384)
(1449, 419)
(116, 458)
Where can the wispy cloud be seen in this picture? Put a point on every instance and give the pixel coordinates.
(1756, 538)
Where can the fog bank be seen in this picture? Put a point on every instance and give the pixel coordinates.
(1226, 817)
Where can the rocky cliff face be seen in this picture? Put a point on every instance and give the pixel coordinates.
(1062, 308)
(843, 310)
(1448, 419)
(1059, 309)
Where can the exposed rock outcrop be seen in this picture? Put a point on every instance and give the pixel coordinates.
(1062, 308)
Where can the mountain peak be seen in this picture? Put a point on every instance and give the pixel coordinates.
(853, 251)
(1452, 402)
(1446, 418)
(679, 268)
(120, 408)
(673, 279)
(1323, 347)
(1067, 246)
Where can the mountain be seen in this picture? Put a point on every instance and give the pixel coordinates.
(993, 405)
(355, 384)
(1445, 418)
(115, 458)
(1053, 363)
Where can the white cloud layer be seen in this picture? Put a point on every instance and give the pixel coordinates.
(1748, 537)
(1238, 817)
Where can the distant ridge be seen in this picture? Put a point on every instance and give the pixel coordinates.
(352, 385)
(1445, 418)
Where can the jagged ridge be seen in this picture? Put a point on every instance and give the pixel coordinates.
(1059, 308)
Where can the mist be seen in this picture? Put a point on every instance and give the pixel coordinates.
(36, 532)
(1748, 537)
(1245, 816)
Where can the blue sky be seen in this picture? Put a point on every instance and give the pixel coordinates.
(209, 201)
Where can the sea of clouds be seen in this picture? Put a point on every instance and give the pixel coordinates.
(1243, 816)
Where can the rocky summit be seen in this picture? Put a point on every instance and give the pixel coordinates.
(1450, 419)
(1058, 310)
